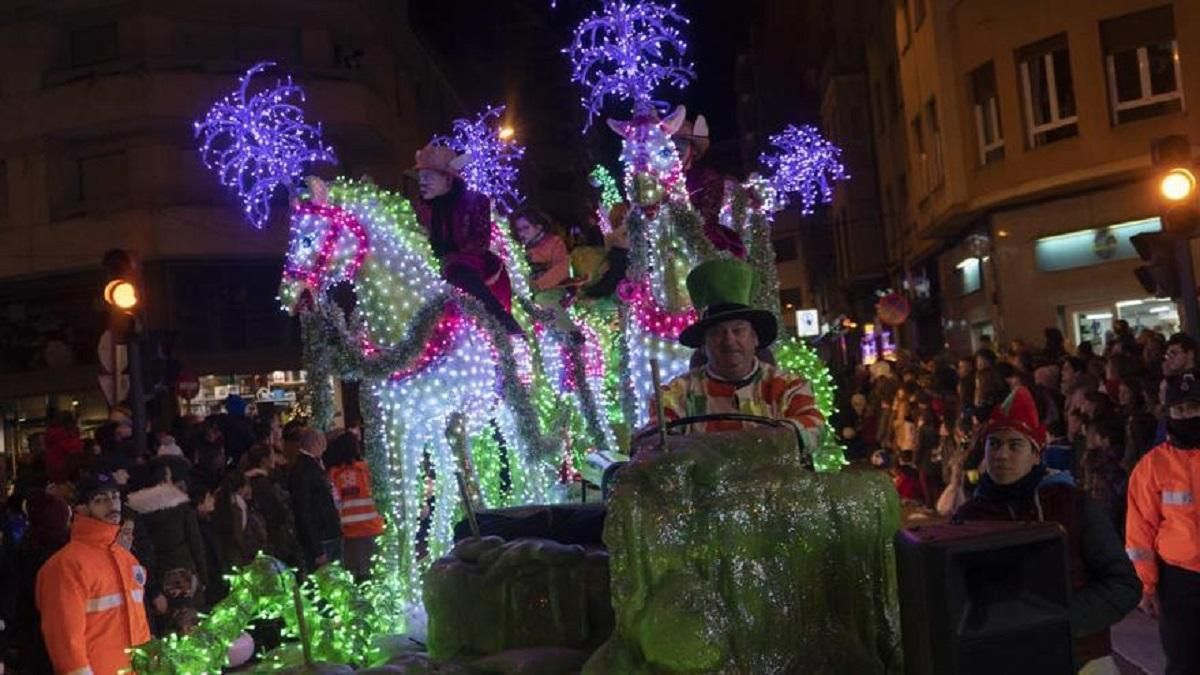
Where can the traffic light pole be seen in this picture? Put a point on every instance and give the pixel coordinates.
(136, 394)
(1190, 309)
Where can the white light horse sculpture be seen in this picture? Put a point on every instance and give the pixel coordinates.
(435, 379)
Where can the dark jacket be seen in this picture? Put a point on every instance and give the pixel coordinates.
(274, 503)
(316, 515)
(170, 518)
(241, 532)
(1104, 585)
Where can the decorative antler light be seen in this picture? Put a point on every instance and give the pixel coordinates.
(806, 165)
(492, 156)
(260, 143)
(627, 50)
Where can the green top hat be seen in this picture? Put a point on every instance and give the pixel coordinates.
(721, 291)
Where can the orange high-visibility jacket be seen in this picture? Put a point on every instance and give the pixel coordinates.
(356, 506)
(90, 596)
(1162, 521)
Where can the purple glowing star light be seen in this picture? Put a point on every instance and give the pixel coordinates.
(492, 156)
(260, 143)
(626, 51)
(806, 165)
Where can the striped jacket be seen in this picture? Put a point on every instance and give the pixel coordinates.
(90, 598)
(356, 505)
(1162, 521)
(767, 392)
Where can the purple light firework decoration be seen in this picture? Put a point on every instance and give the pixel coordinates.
(626, 51)
(492, 156)
(806, 165)
(258, 143)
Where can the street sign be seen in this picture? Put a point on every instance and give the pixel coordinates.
(106, 353)
(187, 386)
(808, 322)
(107, 382)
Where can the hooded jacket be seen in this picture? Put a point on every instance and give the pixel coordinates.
(171, 520)
(1104, 586)
(90, 595)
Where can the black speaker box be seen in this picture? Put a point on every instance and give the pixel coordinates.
(984, 598)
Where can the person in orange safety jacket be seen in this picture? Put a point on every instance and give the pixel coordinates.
(1162, 526)
(90, 592)
(361, 522)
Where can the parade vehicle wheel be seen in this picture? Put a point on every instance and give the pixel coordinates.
(676, 427)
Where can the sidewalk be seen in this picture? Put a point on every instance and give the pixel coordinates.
(1135, 642)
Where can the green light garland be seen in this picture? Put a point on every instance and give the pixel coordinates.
(610, 194)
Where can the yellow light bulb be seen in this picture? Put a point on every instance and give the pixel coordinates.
(1178, 184)
(121, 294)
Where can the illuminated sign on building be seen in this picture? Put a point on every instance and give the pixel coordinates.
(1084, 248)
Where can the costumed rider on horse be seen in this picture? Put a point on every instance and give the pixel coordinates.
(459, 224)
(735, 379)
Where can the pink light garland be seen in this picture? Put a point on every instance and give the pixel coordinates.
(339, 220)
(440, 340)
(659, 322)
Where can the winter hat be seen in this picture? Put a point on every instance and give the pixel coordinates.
(440, 158)
(1019, 413)
(167, 446)
(92, 485)
(235, 405)
(721, 290)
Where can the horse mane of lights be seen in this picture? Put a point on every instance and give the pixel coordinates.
(260, 142)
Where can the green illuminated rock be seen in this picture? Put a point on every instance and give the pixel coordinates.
(728, 556)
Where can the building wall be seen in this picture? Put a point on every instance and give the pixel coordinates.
(1099, 177)
(97, 152)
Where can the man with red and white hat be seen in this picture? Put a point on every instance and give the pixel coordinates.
(1016, 486)
(459, 223)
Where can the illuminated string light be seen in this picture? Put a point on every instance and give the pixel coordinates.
(626, 51)
(260, 143)
(805, 165)
(492, 156)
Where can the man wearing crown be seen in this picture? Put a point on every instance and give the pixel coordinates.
(459, 223)
(731, 334)
(1017, 486)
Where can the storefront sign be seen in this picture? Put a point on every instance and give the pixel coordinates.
(808, 323)
(1083, 248)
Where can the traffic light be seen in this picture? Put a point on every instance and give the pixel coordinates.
(121, 291)
(1161, 276)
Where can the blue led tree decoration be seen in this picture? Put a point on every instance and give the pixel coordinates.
(491, 167)
(626, 51)
(258, 143)
(806, 165)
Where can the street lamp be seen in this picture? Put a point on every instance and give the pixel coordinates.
(506, 133)
(1177, 184)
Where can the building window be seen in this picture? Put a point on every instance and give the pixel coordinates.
(987, 114)
(791, 298)
(101, 177)
(785, 250)
(970, 275)
(90, 45)
(1045, 71)
(935, 164)
(920, 154)
(1141, 57)
(3, 191)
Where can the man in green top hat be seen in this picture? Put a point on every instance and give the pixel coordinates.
(734, 380)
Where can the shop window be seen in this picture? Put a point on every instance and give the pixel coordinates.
(1141, 58)
(1049, 92)
(988, 132)
(94, 44)
(970, 275)
(1084, 248)
(785, 250)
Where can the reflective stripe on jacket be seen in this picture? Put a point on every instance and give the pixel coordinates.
(356, 507)
(90, 596)
(1162, 521)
